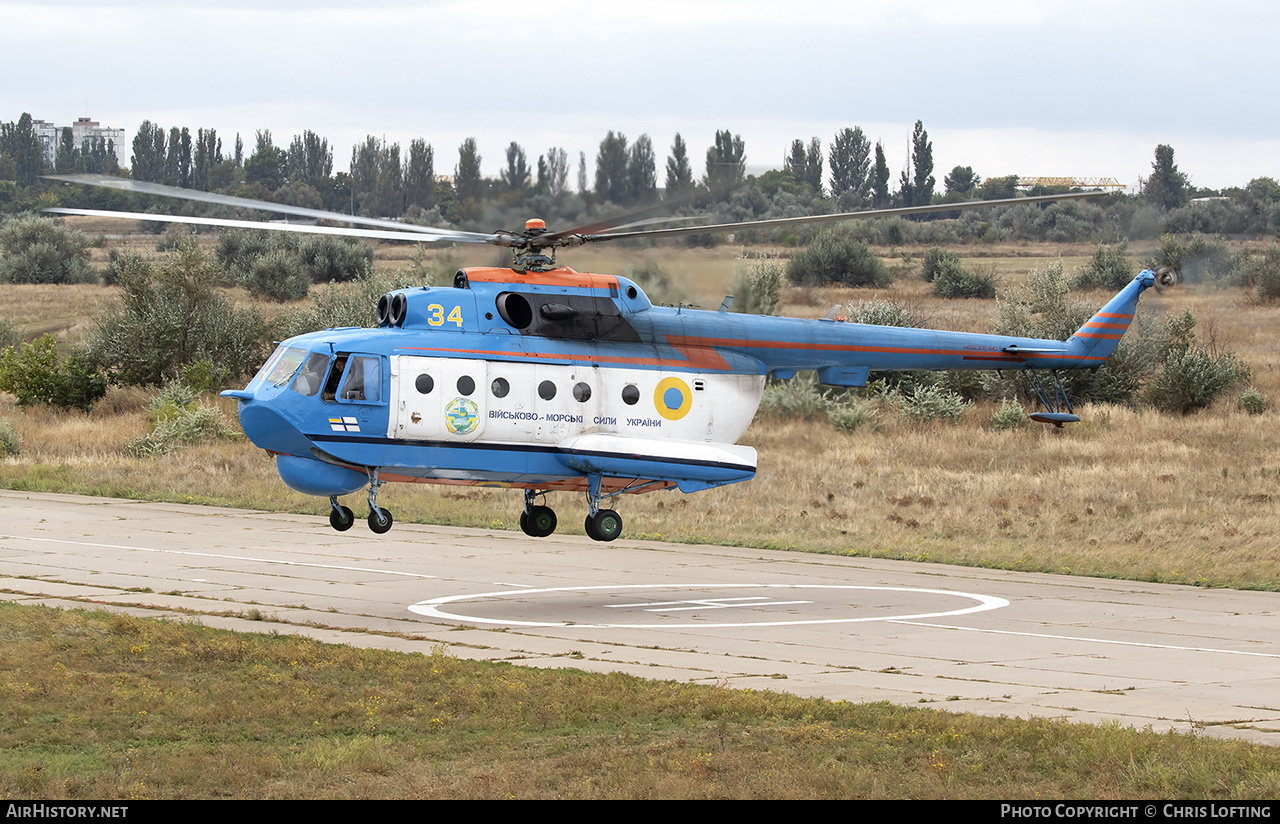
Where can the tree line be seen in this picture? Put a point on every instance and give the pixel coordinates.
(387, 180)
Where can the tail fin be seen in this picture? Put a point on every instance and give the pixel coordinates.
(1101, 334)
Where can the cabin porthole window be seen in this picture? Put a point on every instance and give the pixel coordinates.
(546, 390)
(500, 387)
(466, 385)
(581, 392)
(630, 395)
(424, 384)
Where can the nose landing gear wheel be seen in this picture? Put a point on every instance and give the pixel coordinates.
(538, 521)
(379, 520)
(605, 525)
(341, 518)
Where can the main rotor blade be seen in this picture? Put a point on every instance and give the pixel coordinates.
(638, 217)
(794, 221)
(303, 228)
(161, 190)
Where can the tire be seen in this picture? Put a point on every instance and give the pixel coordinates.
(341, 518)
(380, 520)
(539, 522)
(605, 525)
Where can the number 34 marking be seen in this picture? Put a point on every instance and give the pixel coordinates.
(437, 317)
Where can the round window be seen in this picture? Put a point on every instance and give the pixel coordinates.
(630, 395)
(466, 385)
(546, 390)
(424, 384)
(500, 387)
(581, 393)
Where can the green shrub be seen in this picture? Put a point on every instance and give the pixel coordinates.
(32, 373)
(656, 283)
(1196, 259)
(42, 250)
(278, 265)
(237, 250)
(175, 398)
(800, 397)
(934, 260)
(174, 236)
(835, 257)
(803, 397)
(757, 284)
(334, 306)
(438, 271)
(1008, 416)
(1262, 271)
(120, 263)
(925, 402)
(277, 275)
(1253, 401)
(170, 316)
(181, 426)
(952, 280)
(881, 312)
(853, 414)
(326, 258)
(1189, 376)
(10, 335)
(204, 376)
(10, 445)
(1109, 269)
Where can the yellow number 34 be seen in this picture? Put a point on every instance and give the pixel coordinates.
(437, 318)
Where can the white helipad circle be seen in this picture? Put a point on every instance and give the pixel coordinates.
(434, 607)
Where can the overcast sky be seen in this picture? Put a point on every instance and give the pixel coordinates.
(1069, 87)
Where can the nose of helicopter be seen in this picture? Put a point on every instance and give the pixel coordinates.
(267, 428)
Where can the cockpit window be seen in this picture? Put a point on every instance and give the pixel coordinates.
(362, 380)
(311, 374)
(281, 365)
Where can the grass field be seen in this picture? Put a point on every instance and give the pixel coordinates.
(106, 706)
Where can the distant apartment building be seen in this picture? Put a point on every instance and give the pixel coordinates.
(82, 131)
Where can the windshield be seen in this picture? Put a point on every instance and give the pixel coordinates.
(311, 374)
(281, 365)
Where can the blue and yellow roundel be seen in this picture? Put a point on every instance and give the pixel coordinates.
(673, 399)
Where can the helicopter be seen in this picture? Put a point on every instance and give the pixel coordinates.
(542, 378)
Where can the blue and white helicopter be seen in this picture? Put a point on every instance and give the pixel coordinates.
(542, 378)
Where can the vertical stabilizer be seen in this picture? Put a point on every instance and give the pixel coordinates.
(1101, 334)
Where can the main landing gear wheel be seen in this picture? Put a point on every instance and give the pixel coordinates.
(605, 525)
(379, 519)
(341, 518)
(538, 521)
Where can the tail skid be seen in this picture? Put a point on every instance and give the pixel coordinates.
(1053, 399)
